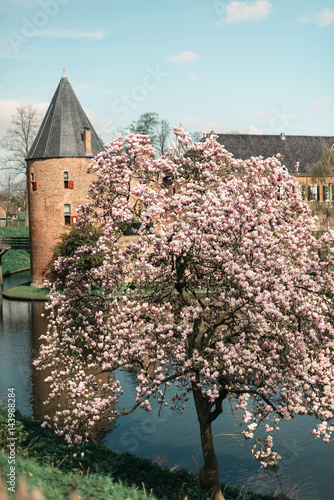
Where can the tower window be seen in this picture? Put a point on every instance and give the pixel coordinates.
(66, 180)
(33, 183)
(67, 212)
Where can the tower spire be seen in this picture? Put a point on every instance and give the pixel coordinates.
(61, 133)
(64, 75)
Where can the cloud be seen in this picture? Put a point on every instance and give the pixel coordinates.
(323, 18)
(236, 12)
(249, 129)
(95, 35)
(104, 126)
(198, 123)
(193, 76)
(184, 57)
(323, 103)
(21, 2)
(19, 46)
(8, 108)
(253, 130)
(262, 116)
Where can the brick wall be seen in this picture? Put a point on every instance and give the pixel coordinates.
(47, 198)
(320, 199)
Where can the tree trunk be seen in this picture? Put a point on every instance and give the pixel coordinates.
(209, 474)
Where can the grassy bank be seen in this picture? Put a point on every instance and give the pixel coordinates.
(57, 485)
(15, 231)
(15, 260)
(44, 459)
(26, 292)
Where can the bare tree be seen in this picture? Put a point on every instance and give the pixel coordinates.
(163, 135)
(197, 136)
(18, 140)
(12, 187)
(157, 128)
(324, 168)
(19, 137)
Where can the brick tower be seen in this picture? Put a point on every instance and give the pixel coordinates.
(57, 174)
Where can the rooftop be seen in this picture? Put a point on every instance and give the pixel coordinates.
(61, 132)
(306, 150)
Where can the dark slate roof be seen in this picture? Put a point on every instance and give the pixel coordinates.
(294, 148)
(61, 132)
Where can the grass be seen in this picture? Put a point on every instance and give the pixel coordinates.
(45, 460)
(15, 260)
(57, 485)
(14, 231)
(26, 292)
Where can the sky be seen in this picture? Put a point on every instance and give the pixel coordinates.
(259, 67)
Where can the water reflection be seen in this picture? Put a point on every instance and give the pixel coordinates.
(307, 463)
(16, 348)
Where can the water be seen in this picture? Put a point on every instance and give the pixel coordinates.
(170, 438)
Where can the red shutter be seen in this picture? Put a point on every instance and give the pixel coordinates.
(74, 220)
(70, 184)
(34, 185)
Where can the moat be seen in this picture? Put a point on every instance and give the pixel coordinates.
(306, 466)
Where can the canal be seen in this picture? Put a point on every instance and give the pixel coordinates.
(306, 468)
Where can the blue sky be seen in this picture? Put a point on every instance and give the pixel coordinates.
(263, 66)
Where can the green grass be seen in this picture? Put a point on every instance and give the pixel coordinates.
(27, 292)
(57, 485)
(15, 260)
(46, 461)
(15, 231)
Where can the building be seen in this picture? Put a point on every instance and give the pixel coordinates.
(66, 142)
(57, 172)
(297, 153)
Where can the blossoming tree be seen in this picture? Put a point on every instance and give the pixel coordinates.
(221, 293)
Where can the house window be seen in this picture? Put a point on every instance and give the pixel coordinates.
(280, 195)
(67, 211)
(66, 180)
(313, 192)
(302, 190)
(327, 192)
